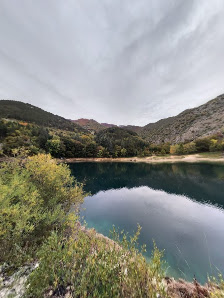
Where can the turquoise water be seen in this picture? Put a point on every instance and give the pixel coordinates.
(180, 206)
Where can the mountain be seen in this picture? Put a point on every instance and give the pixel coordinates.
(133, 128)
(89, 124)
(189, 125)
(92, 124)
(202, 121)
(17, 110)
(108, 125)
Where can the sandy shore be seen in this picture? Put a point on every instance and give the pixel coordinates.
(195, 158)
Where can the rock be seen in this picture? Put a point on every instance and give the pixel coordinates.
(14, 285)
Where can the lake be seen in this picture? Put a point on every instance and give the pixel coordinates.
(180, 206)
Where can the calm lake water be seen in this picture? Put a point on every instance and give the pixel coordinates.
(180, 206)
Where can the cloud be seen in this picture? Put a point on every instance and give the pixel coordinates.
(125, 62)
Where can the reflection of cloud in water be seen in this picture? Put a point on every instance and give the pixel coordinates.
(190, 232)
(161, 203)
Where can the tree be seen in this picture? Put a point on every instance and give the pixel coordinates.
(123, 152)
(202, 145)
(166, 148)
(180, 149)
(91, 150)
(190, 148)
(54, 146)
(117, 151)
(177, 149)
(43, 137)
(3, 129)
(173, 149)
(163, 152)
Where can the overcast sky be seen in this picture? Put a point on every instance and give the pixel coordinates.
(116, 61)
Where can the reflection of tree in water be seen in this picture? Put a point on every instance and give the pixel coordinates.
(202, 182)
(219, 173)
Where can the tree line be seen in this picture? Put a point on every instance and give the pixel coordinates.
(23, 138)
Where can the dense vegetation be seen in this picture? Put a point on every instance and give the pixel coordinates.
(23, 138)
(18, 110)
(90, 124)
(213, 143)
(42, 132)
(120, 142)
(36, 196)
(36, 226)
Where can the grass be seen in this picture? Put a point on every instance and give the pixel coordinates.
(211, 154)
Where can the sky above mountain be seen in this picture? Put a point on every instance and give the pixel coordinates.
(123, 62)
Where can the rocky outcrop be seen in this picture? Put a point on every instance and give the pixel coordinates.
(15, 285)
(202, 121)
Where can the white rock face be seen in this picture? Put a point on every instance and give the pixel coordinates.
(15, 285)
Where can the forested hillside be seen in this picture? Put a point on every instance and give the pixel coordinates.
(120, 142)
(90, 124)
(11, 109)
(28, 130)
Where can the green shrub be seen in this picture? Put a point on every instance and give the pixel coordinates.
(202, 145)
(36, 195)
(163, 152)
(190, 148)
(177, 149)
(88, 266)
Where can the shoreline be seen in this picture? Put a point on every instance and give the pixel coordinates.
(194, 158)
(176, 288)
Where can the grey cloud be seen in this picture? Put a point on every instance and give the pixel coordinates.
(125, 62)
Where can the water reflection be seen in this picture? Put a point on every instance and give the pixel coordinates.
(202, 182)
(191, 233)
(177, 205)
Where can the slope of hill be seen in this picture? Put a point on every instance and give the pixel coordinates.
(11, 109)
(95, 126)
(189, 125)
(108, 125)
(89, 124)
(116, 138)
(92, 124)
(133, 128)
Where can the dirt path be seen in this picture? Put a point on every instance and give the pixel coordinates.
(195, 158)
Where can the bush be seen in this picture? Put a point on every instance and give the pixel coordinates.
(36, 195)
(190, 148)
(215, 145)
(163, 152)
(175, 149)
(202, 145)
(89, 266)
